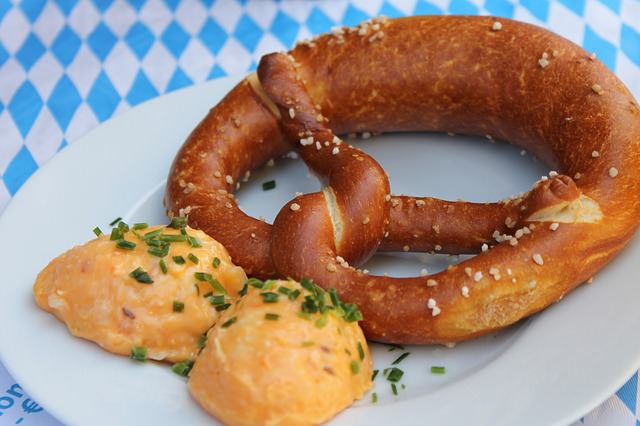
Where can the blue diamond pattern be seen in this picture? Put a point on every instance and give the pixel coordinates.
(248, 32)
(102, 5)
(139, 39)
(614, 5)
(5, 5)
(66, 45)
(576, 6)
(4, 55)
(499, 7)
(285, 28)
(172, 4)
(628, 392)
(605, 51)
(318, 22)
(175, 38)
(178, 80)
(1, 107)
(31, 50)
(103, 97)
(32, 8)
(25, 106)
(630, 43)
(389, 11)
(101, 41)
(213, 36)
(21, 167)
(141, 90)
(66, 6)
(64, 101)
(353, 16)
(216, 72)
(462, 7)
(538, 8)
(424, 8)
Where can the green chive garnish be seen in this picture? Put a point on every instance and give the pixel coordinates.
(141, 276)
(202, 341)
(97, 231)
(152, 234)
(400, 358)
(182, 368)
(139, 353)
(355, 367)
(271, 317)
(394, 389)
(393, 347)
(116, 234)
(229, 322)
(216, 300)
(266, 186)
(375, 373)
(159, 252)
(163, 266)
(178, 222)
(172, 238)
(116, 220)
(394, 374)
(203, 276)
(269, 297)
(193, 258)
(284, 290)
(123, 227)
(351, 312)
(179, 260)
(139, 226)
(243, 290)
(217, 286)
(127, 245)
(322, 321)
(360, 351)
(436, 369)
(194, 242)
(374, 398)
(294, 294)
(223, 307)
(216, 262)
(178, 306)
(254, 282)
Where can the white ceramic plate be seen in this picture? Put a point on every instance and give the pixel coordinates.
(549, 370)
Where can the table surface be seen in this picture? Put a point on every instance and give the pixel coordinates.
(67, 66)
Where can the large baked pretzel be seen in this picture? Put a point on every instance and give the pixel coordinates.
(472, 75)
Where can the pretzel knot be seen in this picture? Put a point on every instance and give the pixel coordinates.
(355, 80)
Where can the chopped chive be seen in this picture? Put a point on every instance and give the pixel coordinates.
(116, 234)
(355, 367)
(436, 369)
(123, 227)
(254, 282)
(168, 238)
(182, 368)
(216, 300)
(178, 306)
(178, 222)
(97, 231)
(127, 245)
(322, 321)
(294, 294)
(243, 290)
(360, 351)
(158, 252)
(400, 358)
(116, 220)
(352, 313)
(202, 341)
(308, 284)
(217, 286)
(393, 347)
(223, 307)
(229, 322)
(141, 276)
(309, 305)
(304, 316)
(139, 353)
(156, 243)
(269, 297)
(394, 374)
(163, 266)
(152, 234)
(271, 317)
(266, 186)
(335, 299)
(374, 398)
(394, 389)
(197, 289)
(284, 290)
(375, 373)
(183, 231)
(139, 226)
(403, 386)
(193, 258)
(179, 260)
(194, 242)
(216, 262)
(203, 276)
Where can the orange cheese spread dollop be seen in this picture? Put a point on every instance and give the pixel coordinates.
(284, 354)
(121, 296)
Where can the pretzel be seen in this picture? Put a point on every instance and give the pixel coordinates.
(470, 75)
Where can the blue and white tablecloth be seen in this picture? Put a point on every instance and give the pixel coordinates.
(68, 65)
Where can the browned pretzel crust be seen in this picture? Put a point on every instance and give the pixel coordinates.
(512, 81)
